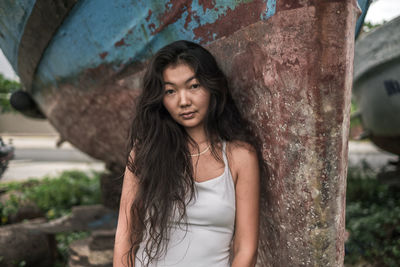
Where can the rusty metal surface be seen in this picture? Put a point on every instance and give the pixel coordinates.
(296, 88)
(115, 34)
(81, 83)
(45, 18)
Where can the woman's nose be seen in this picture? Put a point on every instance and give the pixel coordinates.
(184, 99)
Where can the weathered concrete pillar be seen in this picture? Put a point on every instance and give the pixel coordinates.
(292, 76)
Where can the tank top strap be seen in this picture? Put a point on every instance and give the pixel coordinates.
(227, 171)
(224, 154)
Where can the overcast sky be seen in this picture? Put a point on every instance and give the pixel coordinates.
(378, 12)
(383, 10)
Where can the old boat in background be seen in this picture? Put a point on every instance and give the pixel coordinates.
(290, 64)
(377, 85)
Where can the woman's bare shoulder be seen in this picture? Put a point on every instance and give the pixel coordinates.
(241, 155)
(239, 149)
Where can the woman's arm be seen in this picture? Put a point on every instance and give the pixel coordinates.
(245, 242)
(122, 242)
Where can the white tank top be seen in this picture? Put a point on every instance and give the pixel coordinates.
(211, 223)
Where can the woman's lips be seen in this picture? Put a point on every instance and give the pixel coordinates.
(188, 115)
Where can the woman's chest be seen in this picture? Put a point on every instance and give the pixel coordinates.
(207, 168)
(213, 205)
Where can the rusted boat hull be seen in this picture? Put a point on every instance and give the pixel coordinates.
(296, 87)
(77, 70)
(291, 74)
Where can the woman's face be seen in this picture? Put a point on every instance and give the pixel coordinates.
(185, 99)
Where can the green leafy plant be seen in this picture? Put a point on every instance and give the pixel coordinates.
(372, 219)
(55, 196)
(63, 242)
(8, 208)
(7, 87)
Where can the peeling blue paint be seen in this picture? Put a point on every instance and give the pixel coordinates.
(271, 8)
(87, 38)
(93, 28)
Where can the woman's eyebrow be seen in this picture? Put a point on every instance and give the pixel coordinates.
(165, 83)
(191, 78)
(188, 80)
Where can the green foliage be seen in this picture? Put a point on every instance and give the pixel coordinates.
(6, 88)
(369, 26)
(54, 196)
(8, 208)
(373, 220)
(353, 109)
(63, 242)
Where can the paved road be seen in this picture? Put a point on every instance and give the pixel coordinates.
(37, 156)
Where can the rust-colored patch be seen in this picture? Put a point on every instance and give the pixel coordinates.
(100, 107)
(244, 14)
(103, 55)
(92, 76)
(152, 27)
(207, 4)
(293, 4)
(189, 17)
(149, 15)
(120, 43)
(175, 10)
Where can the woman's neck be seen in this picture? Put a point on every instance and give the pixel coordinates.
(200, 138)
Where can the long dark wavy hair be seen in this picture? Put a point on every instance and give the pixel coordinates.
(162, 162)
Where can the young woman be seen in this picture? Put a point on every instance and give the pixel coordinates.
(190, 194)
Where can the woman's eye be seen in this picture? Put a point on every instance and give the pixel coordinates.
(169, 91)
(194, 86)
